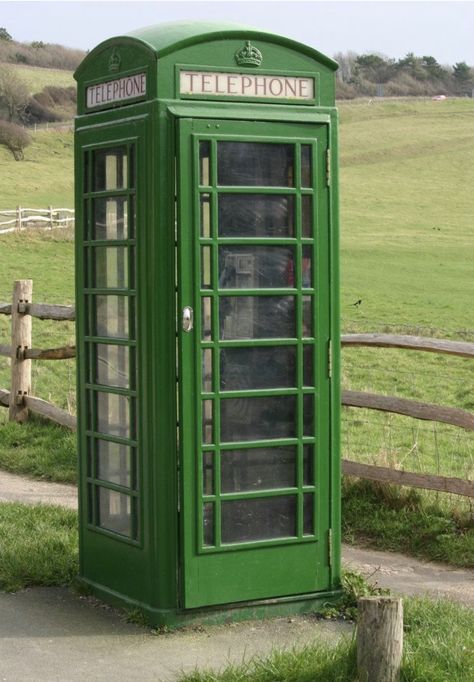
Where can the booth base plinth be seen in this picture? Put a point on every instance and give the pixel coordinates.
(216, 615)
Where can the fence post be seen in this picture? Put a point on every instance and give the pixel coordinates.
(379, 639)
(21, 339)
(50, 208)
(18, 217)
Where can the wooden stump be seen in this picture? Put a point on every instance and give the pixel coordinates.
(21, 340)
(379, 639)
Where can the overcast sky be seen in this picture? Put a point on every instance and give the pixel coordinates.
(444, 30)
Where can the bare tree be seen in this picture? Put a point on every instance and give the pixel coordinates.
(14, 94)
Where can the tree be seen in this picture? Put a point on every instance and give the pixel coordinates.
(462, 73)
(14, 95)
(433, 69)
(4, 35)
(347, 63)
(14, 138)
(375, 68)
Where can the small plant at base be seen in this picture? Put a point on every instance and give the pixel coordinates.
(355, 586)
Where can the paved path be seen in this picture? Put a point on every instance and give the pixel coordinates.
(401, 574)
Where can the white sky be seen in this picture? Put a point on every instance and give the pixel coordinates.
(442, 29)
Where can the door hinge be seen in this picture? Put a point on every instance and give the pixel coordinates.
(328, 167)
(330, 547)
(330, 359)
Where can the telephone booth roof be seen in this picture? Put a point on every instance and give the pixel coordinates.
(164, 39)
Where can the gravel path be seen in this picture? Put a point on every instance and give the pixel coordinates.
(402, 574)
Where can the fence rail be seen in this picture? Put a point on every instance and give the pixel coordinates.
(22, 310)
(22, 218)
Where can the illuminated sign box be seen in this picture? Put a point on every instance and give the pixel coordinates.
(246, 85)
(118, 90)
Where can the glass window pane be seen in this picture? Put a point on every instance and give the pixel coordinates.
(255, 164)
(206, 267)
(245, 419)
(207, 422)
(206, 319)
(307, 215)
(306, 165)
(258, 519)
(308, 514)
(111, 316)
(308, 415)
(208, 524)
(252, 267)
(110, 169)
(258, 469)
(115, 512)
(257, 317)
(110, 218)
(113, 414)
(204, 163)
(261, 367)
(114, 462)
(256, 215)
(205, 216)
(208, 473)
(308, 316)
(307, 267)
(308, 376)
(308, 476)
(110, 267)
(112, 365)
(207, 369)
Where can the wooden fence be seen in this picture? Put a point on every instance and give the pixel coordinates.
(22, 218)
(19, 401)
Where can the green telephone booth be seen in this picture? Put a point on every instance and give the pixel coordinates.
(207, 323)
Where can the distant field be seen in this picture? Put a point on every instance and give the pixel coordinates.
(407, 251)
(36, 77)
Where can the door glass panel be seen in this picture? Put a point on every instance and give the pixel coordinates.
(308, 316)
(111, 316)
(307, 279)
(110, 218)
(115, 512)
(204, 163)
(308, 521)
(258, 519)
(110, 267)
(308, 379)
(208, 473)
(207, 421)
(206, 326)
(113, 414)
(206, 267)
(207, 370)
(308, 415)
(208, 523)
(205, 216)
(261, 367)
(253, 267)
(112, 365)
(255, 164)
(306, 165)
(256, 215)
(114, 462)
(308, 478)
(257, 317)
(307, 215)
(258, 469)
(258, 418)
(110, 169)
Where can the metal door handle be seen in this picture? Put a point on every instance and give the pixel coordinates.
(187, 318)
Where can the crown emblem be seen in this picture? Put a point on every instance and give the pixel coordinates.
(248, 55)
(115, 60)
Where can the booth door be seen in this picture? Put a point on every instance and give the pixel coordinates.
(253, 336)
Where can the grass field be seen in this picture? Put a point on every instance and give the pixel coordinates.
(36, 77)
(407, 251)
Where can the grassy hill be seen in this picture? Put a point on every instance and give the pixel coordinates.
(37, 77)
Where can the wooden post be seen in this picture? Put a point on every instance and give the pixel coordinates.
(51, 224)
(21, 340)
(18, 217)
(379, 639)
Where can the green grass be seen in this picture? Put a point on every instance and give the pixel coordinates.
(38, 546)
(402, 520)
(39, 449)
(438, 647)
(45, 177)
(37, 77)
